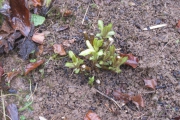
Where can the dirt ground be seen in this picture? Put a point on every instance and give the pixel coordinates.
(61, 95)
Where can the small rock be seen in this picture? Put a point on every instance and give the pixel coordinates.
(71, 90)
(132, 4)
(178, 87)
(155, 98)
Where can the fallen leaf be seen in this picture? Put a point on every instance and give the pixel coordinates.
(58, 48)
(121, 96)
(132, 60)
(32, 66)
(38, 38)
(90, 115)
(62, 28)
(66, 13)
(152, 83)
(68, 43)
(12, 112)
(20, 17)
(37, 3)
(40, 50)
(12, 38)
(11, 75)
(1, 71)
(7, 28)
(26, 47)
(176, 118)
(4, 47)
(138, 100)
(178, 25)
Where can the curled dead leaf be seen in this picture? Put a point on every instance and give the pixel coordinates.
(178, 26)
(150, 83)
(66, 13)
(58, 48)
(33, 66)
(37, 3)
(20, 17)
(11, 75)
(40, 50)
(68, 43)
(121, 96)
(132, 60)
(138, 100)
(90, 115)
(38, 38)
(1, 71)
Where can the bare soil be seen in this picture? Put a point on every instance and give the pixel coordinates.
(61, 95)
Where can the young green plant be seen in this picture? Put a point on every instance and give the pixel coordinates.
(76, 62)
(106, 31)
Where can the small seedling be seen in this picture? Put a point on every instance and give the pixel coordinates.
(76, 62)
(91, 81)
(106, 31)
(32, 60)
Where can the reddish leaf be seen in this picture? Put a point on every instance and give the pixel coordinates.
(58, 48)
(176, 118)
(150, 83)
(68, 43)
(38, 38)
(138, 100)
(12, 112)
(91, 116)
(132, 60)
(37, 3)
(178, 25)
(11, 75)
(66, 13)
(19, 17)
(33, 66)
(121, 96)
(1, 71)
(40, 50)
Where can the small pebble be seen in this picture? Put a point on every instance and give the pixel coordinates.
(98, 81)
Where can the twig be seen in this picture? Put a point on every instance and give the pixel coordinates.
(155, 26)
(108, 97)
(2, 99)
(85, 15)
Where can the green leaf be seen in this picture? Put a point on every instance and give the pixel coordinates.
(111, 33)
(91, 81)
(47, 3)
(76, 70)
(98, 35)
(100, 53)
(123, 60)
(22, 117)
(70, 65)
(89, 45)
(100, 25)
(32, 60)
(37, 19)
(86, 52)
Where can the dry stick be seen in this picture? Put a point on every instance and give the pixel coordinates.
(2, 99)
(85, 15)
(108, 97)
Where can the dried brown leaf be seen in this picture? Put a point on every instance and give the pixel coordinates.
(90, 115)
(12, 112)
(121, 96)
(68, 43)
(138, 100)
(38, 38)
(152, 83)
(58, 48)
(40, 50)
(178, 25)
(11, 75)
(66, 13)
(1, 71)
(62, 28)
(132, 60)
(33, 66)
(37, 3)
(19, 17)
